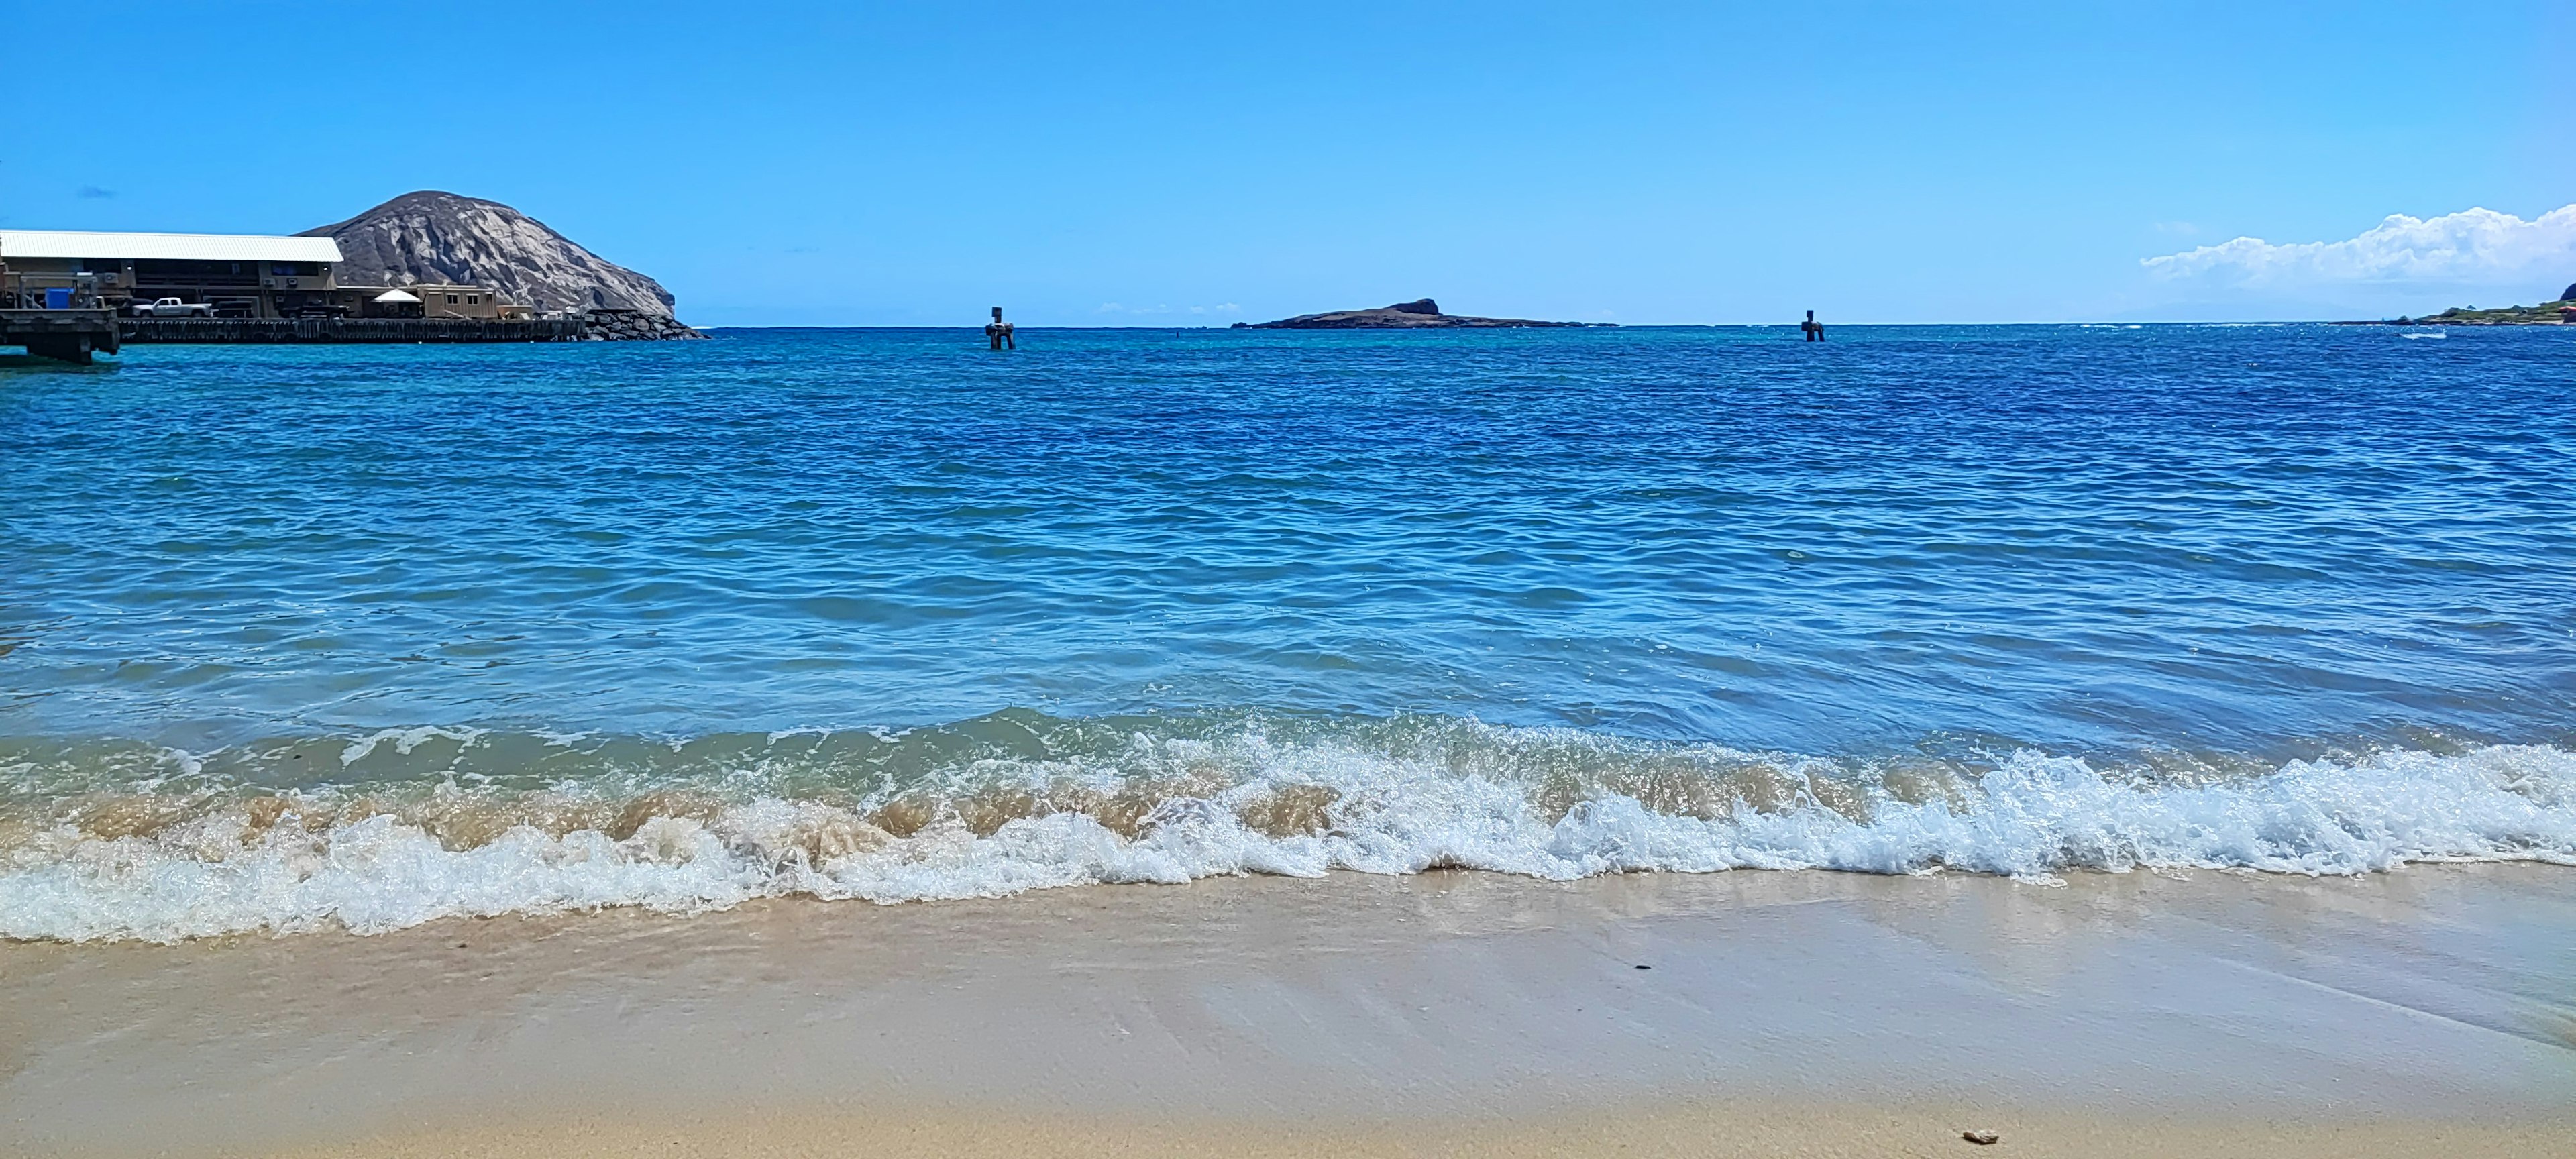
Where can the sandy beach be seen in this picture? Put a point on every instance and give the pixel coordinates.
(2423, 1011)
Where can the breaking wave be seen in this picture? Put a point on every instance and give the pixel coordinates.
(115, 840)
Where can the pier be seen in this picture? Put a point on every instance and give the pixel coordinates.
(73, 335)
(317, 330)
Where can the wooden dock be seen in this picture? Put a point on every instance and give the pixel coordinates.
(73, 335)
(278, 330)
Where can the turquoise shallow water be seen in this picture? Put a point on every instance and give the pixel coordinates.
(1437, 595)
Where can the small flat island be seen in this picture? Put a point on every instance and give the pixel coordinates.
(1417, 315)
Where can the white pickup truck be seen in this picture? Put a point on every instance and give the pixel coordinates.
(174, 308)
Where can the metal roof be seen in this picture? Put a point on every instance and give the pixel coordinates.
(191, 247)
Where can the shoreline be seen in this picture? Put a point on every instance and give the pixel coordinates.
(1838, 1014)
(1831, 1131)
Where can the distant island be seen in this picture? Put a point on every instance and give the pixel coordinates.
(432, 237)
(2559, 313)
(1419, 315)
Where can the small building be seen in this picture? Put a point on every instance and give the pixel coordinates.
(240, 275)
(417, 300)
(437, 301)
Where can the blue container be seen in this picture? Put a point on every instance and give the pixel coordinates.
(58, 299)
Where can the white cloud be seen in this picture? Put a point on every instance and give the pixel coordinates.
(2472, 247)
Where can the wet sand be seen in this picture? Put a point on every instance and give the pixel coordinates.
(2431, 1011)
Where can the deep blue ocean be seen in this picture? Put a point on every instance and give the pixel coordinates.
(308, 637)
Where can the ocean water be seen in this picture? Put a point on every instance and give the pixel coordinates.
(349, 639)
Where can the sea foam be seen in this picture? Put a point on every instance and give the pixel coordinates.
(1172, 811)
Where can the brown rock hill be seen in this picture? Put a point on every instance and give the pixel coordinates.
(441, 237)
(1417, 315)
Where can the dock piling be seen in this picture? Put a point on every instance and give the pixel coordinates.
(64, 335)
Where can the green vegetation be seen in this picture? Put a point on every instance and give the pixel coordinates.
(2544, 314)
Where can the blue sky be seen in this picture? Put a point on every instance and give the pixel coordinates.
(1194, 164)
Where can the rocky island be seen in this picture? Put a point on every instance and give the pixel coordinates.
(1417, 315)
(438, 238)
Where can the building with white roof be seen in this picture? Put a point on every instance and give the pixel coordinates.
(249, 276)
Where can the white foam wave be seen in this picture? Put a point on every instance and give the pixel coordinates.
(2032, 817)
(404, 740)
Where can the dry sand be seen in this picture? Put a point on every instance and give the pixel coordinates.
(2427, 1012)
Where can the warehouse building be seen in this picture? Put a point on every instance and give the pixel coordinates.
(238, 276)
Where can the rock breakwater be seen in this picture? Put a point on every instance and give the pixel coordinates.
(633, 326)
